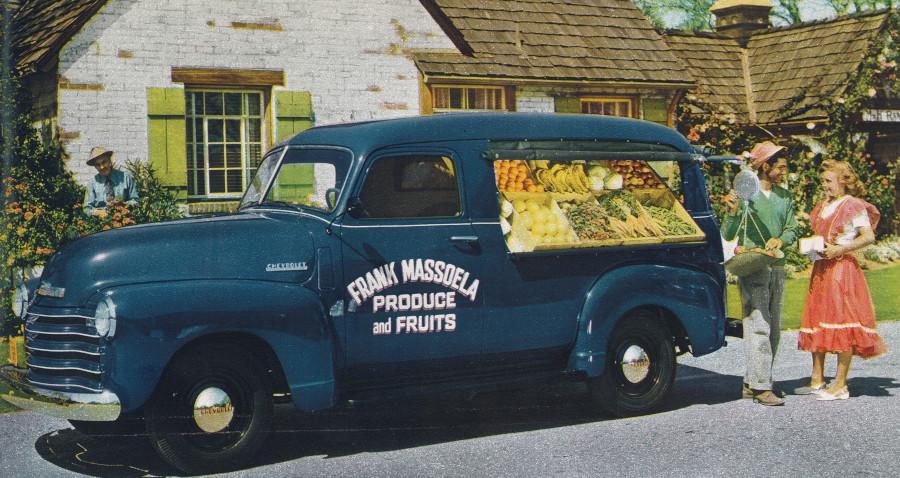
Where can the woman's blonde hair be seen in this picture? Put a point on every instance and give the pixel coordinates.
(852, 185)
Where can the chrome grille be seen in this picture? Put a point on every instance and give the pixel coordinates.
(63, 352)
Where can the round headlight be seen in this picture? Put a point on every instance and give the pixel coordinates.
(20, 301)
(105, 318)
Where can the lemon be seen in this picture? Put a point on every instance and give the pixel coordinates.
(539, 228)
(548, 239)
(544, 215)
(532, 206)
(527, 218)
(552, 227)
(518, 205)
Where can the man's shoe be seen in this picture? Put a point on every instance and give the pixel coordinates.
(746, 392)
(766, 397)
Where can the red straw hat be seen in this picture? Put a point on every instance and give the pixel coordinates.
(762, 152)
(98, 153)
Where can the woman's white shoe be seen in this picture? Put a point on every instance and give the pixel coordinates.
(842, 394)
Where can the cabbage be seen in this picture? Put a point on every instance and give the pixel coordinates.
(614, 182)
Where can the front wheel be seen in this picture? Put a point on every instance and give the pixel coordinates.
(640, 366)
(212, 410)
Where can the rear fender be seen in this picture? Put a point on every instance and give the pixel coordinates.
(694, 298)
(157, 320)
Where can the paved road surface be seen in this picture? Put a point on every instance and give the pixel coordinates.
(546, 431)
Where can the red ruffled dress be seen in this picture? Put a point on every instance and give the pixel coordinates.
(838, 316)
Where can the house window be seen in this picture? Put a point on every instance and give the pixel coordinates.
(472, 98)
(224, 141)
(623, 107)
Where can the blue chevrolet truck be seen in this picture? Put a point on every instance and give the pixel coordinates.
(375, 259)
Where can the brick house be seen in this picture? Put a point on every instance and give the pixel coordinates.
(201, 88)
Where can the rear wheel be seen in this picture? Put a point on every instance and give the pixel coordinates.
(640, 366)
(211, 411)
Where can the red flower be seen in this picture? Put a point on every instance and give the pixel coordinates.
(28, 216)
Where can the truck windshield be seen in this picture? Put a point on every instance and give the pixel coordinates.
(309, 178)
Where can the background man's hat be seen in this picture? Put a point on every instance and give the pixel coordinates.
(762, 152)
(98, 153)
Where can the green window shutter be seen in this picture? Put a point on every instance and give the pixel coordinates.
(294, 113)
(168, 137)
(655, 110)
(568, 104)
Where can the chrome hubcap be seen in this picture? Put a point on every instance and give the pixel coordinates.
(635, 364)
(213, 410)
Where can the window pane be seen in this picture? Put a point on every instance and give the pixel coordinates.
(213, 103)
(254, 153)
(233, 104)
(190, 156)
(200, 159)
(233, 130)
(189, 104)
(217, 182)
(192, 190)
(216, 156)
(253, 104)
(233, 156)
(198, 130)
(456, 98)
(476, 99)
(235, 181)
(216, 130)
(201, 183)
(441, 98)
(411, 186)
(254, 133)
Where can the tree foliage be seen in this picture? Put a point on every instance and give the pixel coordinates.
(695, 14)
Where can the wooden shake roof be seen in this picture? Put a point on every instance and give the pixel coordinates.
(783, 74)
(41, 28)
(563, 40)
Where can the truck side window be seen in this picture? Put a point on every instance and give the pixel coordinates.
(411, 186)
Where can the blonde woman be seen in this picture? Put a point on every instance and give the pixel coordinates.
(838, 317)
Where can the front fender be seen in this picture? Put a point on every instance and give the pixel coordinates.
(156, 320)
(695, 298)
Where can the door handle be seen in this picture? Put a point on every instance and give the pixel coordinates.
(466, 239)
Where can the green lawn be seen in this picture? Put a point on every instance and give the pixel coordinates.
(882, 287)
(6, 407)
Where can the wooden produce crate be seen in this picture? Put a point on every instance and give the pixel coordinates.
(521, 239)
(665, 199)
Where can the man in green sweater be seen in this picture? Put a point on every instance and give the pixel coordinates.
(771, 225)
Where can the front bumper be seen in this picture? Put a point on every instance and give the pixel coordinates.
(95, 407)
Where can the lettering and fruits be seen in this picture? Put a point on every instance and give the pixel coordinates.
(545, 226)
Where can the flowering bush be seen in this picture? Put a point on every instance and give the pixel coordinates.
(44, 210)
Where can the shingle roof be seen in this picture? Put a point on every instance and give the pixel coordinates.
(716, 63)
(807, 64)
(42, 27)
(791, 69)
(570, 40)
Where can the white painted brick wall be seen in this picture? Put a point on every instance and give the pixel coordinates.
(335, 49)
